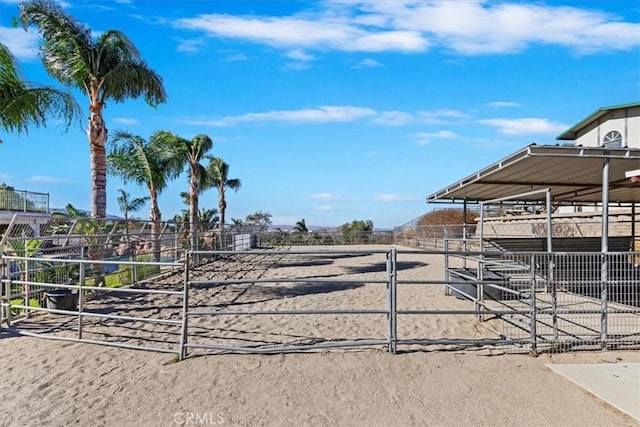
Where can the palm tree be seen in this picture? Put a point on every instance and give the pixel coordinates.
(206, 217)
(192, 152)
(238, 222)
(218, 177)
(151, 164)
(301, 227)
(107, 68)
(23, 104)
(130, 205)
(127, 204)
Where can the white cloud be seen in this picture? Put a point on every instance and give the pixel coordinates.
(402, 41)
(126, 121)
(305, 32)
(49, 180)
(393, 118)
(338, 114)
(500, 104)
(473, 27)
(323, 114)
(324, 208)
(526, 126)
(22, 44)
(395, 198)
(367, 63)
(423, 138)
(232, 56)
(443, 116)
(482, 27)
(325, 196)
(190, 45)
(299, 55)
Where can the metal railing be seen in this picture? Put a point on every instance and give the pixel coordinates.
(23, 201)
(16, 303)
(525, 302)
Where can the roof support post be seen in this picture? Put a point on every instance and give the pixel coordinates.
(464, 220)
(605, 248)
(465, 235)
(481, 226)
(633, 227)
(605, 205)
(549, 223)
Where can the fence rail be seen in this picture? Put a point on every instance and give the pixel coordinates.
(23, 201)
(529, 302)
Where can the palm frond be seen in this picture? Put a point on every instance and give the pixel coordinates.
(23, 104)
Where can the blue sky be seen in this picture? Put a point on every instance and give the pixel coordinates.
(339, 110)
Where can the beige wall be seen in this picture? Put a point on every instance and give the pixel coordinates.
(625, 121)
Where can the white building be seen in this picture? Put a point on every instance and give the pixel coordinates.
(617, 126)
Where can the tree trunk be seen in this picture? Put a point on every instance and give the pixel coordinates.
(193, 209)
(222, 207)
(97, 135)
(155, 217)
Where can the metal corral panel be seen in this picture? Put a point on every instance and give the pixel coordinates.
(573, 174)
(243, 242)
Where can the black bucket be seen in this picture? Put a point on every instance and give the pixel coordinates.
(62, 299)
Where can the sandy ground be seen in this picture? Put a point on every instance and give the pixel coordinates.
(55, 383)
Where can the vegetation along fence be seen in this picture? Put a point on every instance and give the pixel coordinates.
(286, 299)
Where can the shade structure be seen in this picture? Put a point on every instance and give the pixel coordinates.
(573, 175)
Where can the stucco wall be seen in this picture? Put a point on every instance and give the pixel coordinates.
(625, 121)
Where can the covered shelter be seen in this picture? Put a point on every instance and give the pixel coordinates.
(550, 174)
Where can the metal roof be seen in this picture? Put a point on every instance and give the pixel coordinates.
(571, 134)
(573, 174)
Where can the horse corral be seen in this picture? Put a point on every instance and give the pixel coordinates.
(310, 299)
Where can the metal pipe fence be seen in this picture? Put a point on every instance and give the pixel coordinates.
(433, 236)
(22, 200)
(77, 301)
(273, 301)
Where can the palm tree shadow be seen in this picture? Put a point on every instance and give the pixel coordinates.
(308, 288)
(380, 267)
(303, 263)
(265, 294)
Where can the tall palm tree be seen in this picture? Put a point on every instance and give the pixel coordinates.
(107, 68)
(151, 164)
(218, 177)
(192, 153)
(23, 104)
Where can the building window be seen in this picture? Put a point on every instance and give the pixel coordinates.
(612, 139)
